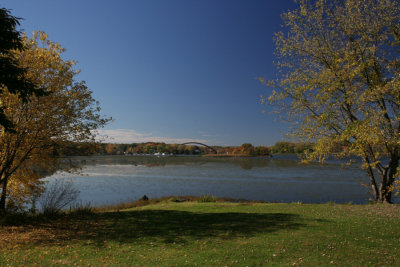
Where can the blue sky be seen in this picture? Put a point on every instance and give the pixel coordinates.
(170, 70)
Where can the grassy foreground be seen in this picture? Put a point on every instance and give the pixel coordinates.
(209, 234)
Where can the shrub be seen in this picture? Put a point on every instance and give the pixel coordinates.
(58, 195)
(207, 198)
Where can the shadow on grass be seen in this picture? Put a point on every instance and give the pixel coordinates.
(166, 226)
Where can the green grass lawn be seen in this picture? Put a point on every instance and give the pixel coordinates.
(209, 234)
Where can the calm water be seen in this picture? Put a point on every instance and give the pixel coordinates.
(113, 179)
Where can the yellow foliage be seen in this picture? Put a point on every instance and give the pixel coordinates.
(339, 81)
(66, 113)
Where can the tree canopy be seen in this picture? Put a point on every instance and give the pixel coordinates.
(12, 75)
(42, 124)
(339, 81)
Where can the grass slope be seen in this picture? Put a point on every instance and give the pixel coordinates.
(209, 234)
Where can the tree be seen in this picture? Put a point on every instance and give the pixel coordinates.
(42, 124)
(339, 79)
(161, 147)
(112, 149)
(12, 75)
(283, 147)
(247, 149)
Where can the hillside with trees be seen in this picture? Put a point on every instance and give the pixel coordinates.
(150, 148)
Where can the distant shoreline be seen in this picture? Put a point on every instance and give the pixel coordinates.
(234, 156)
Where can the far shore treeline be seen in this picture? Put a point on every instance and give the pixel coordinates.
(246, 150)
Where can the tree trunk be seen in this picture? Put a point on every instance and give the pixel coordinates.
(375, 189)
(3, 197)
(387, 180)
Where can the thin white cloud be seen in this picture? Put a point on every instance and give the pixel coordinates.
(127, 136)
(206, 134)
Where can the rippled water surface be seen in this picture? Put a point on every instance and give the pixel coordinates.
(113, 179)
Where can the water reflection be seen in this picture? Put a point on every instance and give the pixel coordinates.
(152, 161)
(112, 179)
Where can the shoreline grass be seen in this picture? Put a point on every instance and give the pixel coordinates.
(142, 202)
(173, 232)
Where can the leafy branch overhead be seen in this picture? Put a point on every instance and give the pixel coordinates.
(339, 80)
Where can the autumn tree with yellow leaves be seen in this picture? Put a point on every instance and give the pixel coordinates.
(67, 112)
(339, 81)
(12, 75)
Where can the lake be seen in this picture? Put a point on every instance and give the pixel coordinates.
(108, 180)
